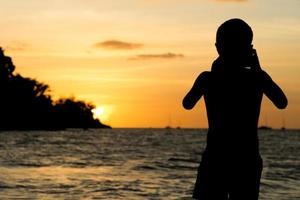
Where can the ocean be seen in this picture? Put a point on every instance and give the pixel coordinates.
(129, 164)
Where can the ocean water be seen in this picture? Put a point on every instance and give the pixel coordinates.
(129, 164)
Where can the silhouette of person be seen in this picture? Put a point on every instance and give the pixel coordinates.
(231, 165)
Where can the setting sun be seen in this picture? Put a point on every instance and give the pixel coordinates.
(103, 113)
(98, 112)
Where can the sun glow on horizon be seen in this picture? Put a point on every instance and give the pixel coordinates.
(98, 112)
(102, 113)
(115, 54)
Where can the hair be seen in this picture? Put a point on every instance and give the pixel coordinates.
(234, 32)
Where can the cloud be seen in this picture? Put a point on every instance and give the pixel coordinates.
(116, 44)
(157, 56)
(224, 1)
(16, 46)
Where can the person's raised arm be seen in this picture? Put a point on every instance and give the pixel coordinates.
(196, 92)
(273, 91)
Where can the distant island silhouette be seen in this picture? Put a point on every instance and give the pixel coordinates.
(26, 104)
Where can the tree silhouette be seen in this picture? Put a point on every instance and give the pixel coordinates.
(26, 103)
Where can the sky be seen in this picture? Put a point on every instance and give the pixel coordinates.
(136, 59)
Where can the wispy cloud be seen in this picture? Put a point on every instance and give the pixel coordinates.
(16, 46)
(224, 1)
(157, 56)
(117, 44)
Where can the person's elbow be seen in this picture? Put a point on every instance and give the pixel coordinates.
(187, 104)
(282, 104)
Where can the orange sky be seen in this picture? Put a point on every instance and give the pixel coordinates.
(136, 59)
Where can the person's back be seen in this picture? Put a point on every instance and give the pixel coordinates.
(231, 164)
(233, 103)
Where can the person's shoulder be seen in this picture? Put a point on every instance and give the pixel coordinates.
(205, 73)
(203, 76)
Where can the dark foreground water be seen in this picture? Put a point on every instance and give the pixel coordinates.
(129, 164)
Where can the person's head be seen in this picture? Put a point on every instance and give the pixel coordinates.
(234, 39)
